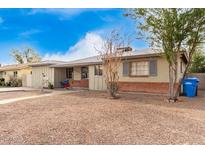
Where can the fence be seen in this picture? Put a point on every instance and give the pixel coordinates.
(201, 77)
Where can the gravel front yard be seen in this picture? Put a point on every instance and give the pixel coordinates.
(92, 118)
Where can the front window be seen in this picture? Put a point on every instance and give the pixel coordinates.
(84, 72)
(15, 74)
(139, 68)
(69, 73)
(98, 70)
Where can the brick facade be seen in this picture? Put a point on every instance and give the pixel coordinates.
(148, 87)
(79, 83)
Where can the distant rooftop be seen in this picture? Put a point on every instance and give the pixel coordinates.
(13, 67)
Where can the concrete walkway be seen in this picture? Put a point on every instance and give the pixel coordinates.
(47, 93)
(6, 101)
(13, 89)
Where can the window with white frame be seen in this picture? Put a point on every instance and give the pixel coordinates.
(140, 68)
(69, 73)
(15, 74)
(84, 72)
(98, 70)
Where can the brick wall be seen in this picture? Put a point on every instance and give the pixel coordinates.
(149, 87)
(79, 83)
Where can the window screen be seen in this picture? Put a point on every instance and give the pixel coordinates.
(69, 73)
(98, 70)
(140, 68)
(84, 72)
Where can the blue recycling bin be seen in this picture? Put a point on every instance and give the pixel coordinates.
(189, 89)
(190, 86)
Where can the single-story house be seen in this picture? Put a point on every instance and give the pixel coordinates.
(21, 71)
(143, 71)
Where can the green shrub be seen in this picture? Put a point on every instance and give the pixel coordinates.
(8, 84)
(15, 82)
(50, 86)
(2, 82)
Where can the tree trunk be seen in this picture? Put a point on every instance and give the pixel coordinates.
(181, 80)
(172, 83)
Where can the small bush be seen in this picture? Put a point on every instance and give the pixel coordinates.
(8, 84)
(50, 86)
(2, 82)
(15, 82)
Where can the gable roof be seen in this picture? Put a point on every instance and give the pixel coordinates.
(96, 59)
(80, 62)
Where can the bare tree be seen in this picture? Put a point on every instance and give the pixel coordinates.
(111, 53)
(26, 56)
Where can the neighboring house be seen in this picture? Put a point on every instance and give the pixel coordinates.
(143, 71)
(21, 71)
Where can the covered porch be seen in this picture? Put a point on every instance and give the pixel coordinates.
(83, 73)
(77, 76)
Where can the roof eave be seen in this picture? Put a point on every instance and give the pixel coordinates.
(142, 56)
(76, 64)
(37, 65)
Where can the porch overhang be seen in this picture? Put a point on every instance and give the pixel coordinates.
(75, 65)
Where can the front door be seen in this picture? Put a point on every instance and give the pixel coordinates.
(99, 79)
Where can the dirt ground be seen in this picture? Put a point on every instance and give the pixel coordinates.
(93, 118)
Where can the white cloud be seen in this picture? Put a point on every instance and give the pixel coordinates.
(29, 32)
(1, 20)
(85, 47)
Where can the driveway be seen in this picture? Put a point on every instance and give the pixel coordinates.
(13, 89)
(93, 118)
(11, 95)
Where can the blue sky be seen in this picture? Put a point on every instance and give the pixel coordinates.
(61, 34)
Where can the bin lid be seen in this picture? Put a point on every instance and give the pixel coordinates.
(188, 83)
(192, 78)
